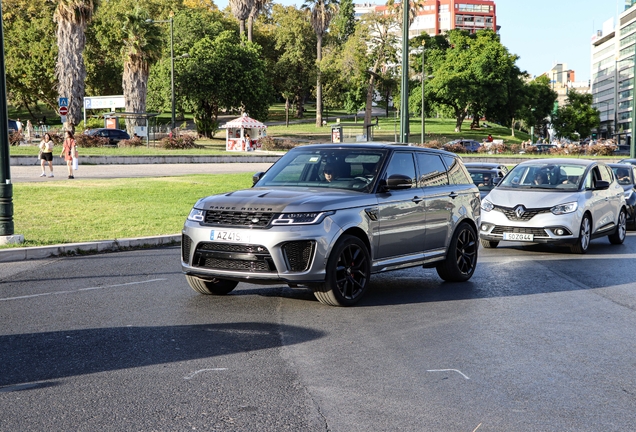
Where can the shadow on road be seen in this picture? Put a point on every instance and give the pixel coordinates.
(29, 358)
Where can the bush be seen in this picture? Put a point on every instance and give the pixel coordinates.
(602, 149)
(15, 138)
(531, 149)
(88, 141)
(133, 142)
(181, 142)
(272, 144)
(515, 148)
(434, 144)
(455, 148)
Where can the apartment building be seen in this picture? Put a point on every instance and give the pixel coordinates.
(439, 16)
(613, 52)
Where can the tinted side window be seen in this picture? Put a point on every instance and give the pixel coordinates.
(402, 163)
(432, 170)
(457, 173)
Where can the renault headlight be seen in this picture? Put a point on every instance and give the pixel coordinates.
(196, 215)
(309, 218)
(565, 208)
(487, 205)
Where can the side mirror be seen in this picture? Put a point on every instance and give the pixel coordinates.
(601, 185)
(256, 177)
(399, 182)
(496, 180)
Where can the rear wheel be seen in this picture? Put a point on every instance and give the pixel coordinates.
(214, 286)
(461, 257)
(347, 274)
(489, 244)
(585, 234)
(621, 230)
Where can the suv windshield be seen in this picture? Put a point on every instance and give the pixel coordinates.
(545, 175)
(326, 168)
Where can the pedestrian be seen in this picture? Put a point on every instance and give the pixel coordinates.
(46, 154)
(29, 131)
(18, 125)
(68, 151)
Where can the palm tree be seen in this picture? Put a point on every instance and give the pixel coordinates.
(241, 10)
(414, 7)
(142, 47)
(321, 13)
(257, 8)
(72, 17)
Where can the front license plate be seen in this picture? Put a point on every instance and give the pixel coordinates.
(518, 237)
(229, 236)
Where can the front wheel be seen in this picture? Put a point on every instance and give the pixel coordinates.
(347, 274)
(585, 234)
(213, 287)
(461, 257)
(618, 237)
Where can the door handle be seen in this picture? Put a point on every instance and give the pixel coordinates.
(453, 195)
(417, 199)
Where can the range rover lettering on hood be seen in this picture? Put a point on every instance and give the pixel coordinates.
(250, 209)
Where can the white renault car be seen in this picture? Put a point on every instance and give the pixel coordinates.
(561, 201)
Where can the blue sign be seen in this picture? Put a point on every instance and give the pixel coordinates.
(87, 102)
(63, 102)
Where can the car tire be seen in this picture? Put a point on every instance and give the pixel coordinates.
(489, 244)
(461, 257)
(211, 287)
(618, 237)
(347, 274)
(585, 235)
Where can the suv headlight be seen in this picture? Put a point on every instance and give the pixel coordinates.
(564, 208)
(196, 215)
(487, 205)
(300, 218)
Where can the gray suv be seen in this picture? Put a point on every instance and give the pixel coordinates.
(328, 216)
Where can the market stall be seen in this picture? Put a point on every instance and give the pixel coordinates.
(243, 133)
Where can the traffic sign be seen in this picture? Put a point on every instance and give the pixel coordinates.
(63, 110)
(63, 102)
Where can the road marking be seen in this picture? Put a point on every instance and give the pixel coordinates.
(478, 426)
(192, 375)
(448, 370)
(80, 290)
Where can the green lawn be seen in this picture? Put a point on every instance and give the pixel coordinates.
(109, 209)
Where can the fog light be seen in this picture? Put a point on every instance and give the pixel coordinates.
(560, 232)
(484, 227)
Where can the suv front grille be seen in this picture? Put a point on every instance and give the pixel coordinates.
(241, 257)
(230, 218)
(298, 255)
(537, 232)
(186, 244)
(527, 213)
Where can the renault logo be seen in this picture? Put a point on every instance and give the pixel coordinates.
(519, 211)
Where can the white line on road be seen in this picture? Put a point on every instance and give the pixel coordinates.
(80, 290)
(448, 370)
(192, 375)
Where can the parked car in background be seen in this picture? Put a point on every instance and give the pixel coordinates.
(627, 161)
(622, 150)
(470, 146)
(485, 175)
(626, 176)
(113, 135)
(13, 126)
(329, 216)
(560, 201)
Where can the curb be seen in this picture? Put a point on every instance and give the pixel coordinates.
(149, 160)
(86, 248)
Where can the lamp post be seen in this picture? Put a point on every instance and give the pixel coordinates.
(170, 20)
(423, 77)
(404, 94)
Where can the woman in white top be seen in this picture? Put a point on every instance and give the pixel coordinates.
(46, 153)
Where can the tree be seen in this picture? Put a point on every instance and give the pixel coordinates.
(241, 9)
(343, 24)
(72, 17)
(223, 74)
(538, 104)
(257, 8)
(142, 47)
(30, 53)
(321, 13)
(295, 68)
(577, 118)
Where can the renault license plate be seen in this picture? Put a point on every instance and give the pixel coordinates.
(518, 237)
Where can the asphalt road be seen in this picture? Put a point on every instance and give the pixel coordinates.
(538, 340)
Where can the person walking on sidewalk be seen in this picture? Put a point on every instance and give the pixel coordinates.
(68, 151)
(46, 154)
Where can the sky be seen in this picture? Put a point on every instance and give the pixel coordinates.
(543, 32)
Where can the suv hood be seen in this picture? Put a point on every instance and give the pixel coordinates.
(540, 198)
(281, 200)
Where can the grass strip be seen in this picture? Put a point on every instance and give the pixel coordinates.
(107, 209)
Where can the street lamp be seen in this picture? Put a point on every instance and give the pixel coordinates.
(170, 20)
